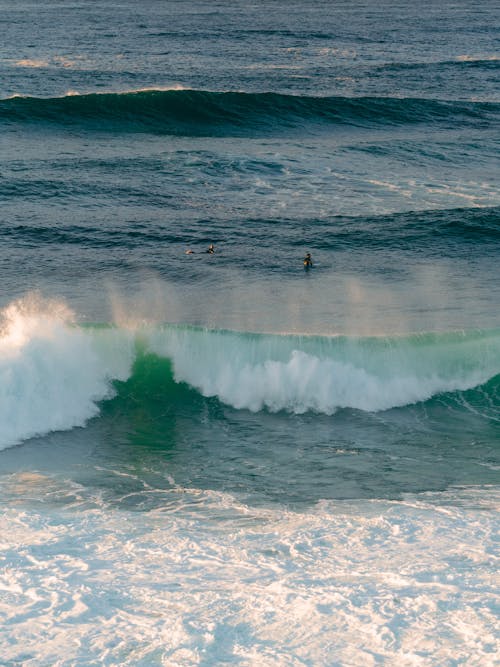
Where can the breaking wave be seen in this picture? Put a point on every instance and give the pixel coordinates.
(54, 374)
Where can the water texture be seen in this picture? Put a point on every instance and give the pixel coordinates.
(227, 459)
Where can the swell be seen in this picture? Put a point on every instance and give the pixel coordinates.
(463, 63)
(447, 231)
(205, 113)
(54, 375)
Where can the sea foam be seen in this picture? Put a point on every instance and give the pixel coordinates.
(52, 373)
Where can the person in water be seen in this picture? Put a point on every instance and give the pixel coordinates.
(308, 261)
(211, 249)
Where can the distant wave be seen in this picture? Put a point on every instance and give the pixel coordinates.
(204, 113)
(445, 231)
(460, 62)
(54, 375)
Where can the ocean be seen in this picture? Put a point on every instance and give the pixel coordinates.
(227, 458)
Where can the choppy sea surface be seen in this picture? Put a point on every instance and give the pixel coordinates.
(226, 459)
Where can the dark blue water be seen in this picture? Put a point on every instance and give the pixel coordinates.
(225, 458)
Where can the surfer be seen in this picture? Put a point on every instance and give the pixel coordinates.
(308, 261)
(211, 249)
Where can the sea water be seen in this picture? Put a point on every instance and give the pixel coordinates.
(226, 459)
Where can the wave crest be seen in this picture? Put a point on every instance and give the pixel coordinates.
(54, 374)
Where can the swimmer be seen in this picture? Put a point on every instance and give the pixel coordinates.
(211, 249)
(308, 261)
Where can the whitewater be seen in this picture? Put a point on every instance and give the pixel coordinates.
(54, 373)
(222, 458)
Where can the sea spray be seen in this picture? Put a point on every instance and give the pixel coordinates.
(52, 373)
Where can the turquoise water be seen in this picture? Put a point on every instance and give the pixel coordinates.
(211, 459)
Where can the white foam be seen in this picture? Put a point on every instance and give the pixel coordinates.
(130, 91)
(32, 62)
(208, 580)
(52, 373)
(273, 372)
(472, 59)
